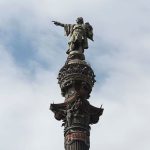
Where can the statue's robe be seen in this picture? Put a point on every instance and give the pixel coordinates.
(78, 33)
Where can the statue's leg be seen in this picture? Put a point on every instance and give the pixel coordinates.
(71, 46)
(76, 45)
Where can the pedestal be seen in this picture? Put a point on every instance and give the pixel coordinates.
(76, 79)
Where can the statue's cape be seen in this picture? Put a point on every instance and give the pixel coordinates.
(68, 29)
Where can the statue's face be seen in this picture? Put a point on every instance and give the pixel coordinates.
(79, 20)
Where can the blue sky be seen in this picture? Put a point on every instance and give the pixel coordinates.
(32, 50)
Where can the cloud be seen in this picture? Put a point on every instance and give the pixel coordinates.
(24, 107)
(32, 50)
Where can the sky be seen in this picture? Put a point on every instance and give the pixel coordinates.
(32, 50)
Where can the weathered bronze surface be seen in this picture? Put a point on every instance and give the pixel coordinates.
(76, 79)
(78, 33)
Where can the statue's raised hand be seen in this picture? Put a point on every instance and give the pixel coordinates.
(58, 23)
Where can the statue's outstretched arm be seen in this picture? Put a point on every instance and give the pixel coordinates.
(58, 23)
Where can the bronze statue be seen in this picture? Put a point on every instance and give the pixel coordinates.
(78, 33)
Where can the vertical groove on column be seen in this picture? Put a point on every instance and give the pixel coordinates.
(77, 145)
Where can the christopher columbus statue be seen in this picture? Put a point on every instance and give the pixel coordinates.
(78, 34)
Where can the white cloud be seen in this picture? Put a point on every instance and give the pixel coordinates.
(25, 118)
(120, 52)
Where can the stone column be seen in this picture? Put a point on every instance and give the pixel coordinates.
(76, 79)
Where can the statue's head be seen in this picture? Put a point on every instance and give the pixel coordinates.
(79, 20)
